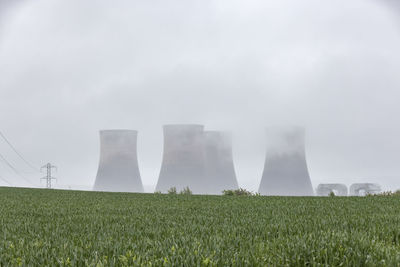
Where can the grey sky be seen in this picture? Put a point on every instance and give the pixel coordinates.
(70, 68)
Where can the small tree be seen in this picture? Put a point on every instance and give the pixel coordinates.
(172, 191)
(332, 194)
(186, 191)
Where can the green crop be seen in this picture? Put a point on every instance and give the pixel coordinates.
(71, 228)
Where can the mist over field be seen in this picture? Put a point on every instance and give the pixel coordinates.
(71, 68)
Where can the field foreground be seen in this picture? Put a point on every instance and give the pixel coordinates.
(62, 228)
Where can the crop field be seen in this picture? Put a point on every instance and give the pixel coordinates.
(71, 228)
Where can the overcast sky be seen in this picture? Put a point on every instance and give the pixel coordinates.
(71, 68)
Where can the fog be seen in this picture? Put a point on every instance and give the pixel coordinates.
(71, 68)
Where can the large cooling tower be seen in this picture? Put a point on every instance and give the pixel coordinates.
(183, 159)
(285, 169)
(220, 170)
(337, 189)
(118, 169)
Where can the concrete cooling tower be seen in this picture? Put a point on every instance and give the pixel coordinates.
(220, 170)
(285, 170)
(183, 159)
(364, 189)
(337, 189)
(118, 169)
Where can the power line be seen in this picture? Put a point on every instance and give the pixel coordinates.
(14, 169)
(4, 180)
(19, 154)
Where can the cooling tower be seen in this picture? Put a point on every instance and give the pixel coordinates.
(337, 189)
(366, 188)
(285, 170)
(183, 159)
(220, 170)
(118, 169)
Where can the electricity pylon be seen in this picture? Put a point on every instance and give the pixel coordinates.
(48, 176)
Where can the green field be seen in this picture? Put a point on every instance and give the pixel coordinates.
(52, 227)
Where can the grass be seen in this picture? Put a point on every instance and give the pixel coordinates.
(71, 228)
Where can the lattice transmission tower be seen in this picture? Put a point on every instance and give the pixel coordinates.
(48, 176)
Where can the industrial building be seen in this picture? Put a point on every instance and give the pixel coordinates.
(285, 169)
(118, 168)
(361, 189)
(327, 189)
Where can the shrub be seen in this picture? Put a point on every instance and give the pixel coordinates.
(172, 191)
(237, 192)
(387, 194)
(243, 192)
(157, 193)
(186, 191)
(332, 194)
(228, 192)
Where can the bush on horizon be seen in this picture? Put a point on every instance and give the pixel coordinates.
(172, 191)
(238, 192)
(186, 191)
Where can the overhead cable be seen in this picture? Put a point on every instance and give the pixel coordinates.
(14, 169)
(19, 154)
(4, 180)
